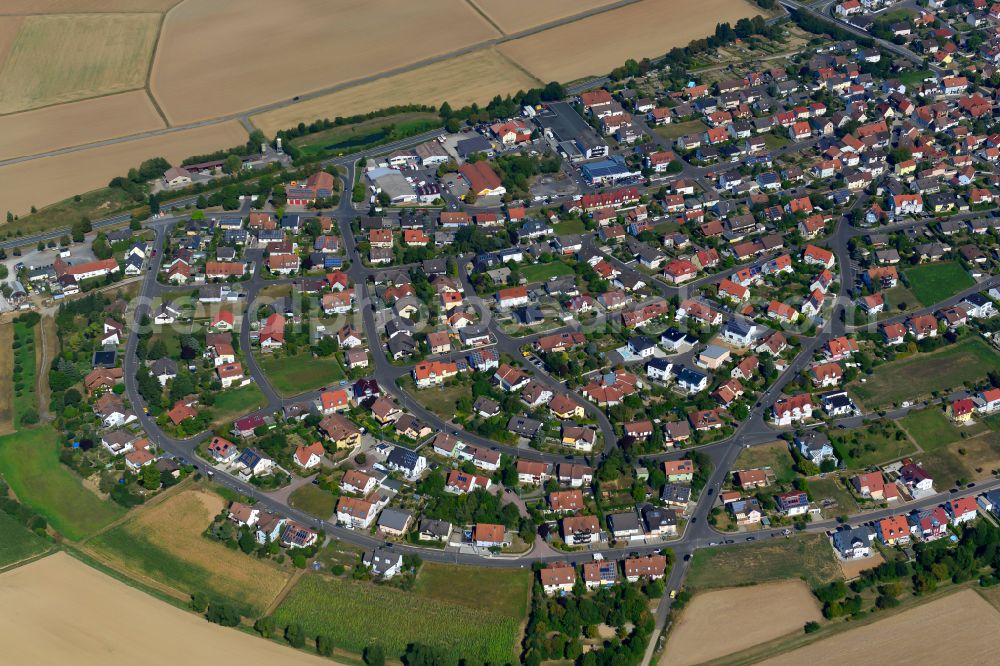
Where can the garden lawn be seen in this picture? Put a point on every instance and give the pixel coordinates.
(774, 455)
(17, 542)
(542, 272)
(930, 428)
(935, 282)
(774, 141)
(442, 400)
(898, 295)
(674, 130)
(914, 77)
(313, 500)
(29, 461)
(358, 614)
(291, 375)
(234, 403)
(808, 557)
(968, 361)
(831, 489)
(569, 227)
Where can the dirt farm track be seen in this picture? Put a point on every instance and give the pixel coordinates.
(68, 613)
(80, 72)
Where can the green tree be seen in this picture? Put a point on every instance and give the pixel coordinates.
(247, 542)
(199, 602)
(150, 477)
(294, 634)
(374, 655)
(264, 626)
(324, 645)
(223, 613)
(232, 164)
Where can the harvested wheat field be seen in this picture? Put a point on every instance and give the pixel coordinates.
(588, 47)
(68, 613)
(77, 123)
(84, 6)
(970, 623)
(513, 16)
(165, 543)
(66, 57)
(475, 77)
(699, 636)
(227, 54)
(46, 180)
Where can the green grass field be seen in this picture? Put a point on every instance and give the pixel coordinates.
(964, 362)
(443, 400)
(29, 461)
(25, 382)
(97, 204)
(569, 227)
(774, 455)
(291, 375)
(461, 610)
(933, 283)
(348, 138)
(914, 77)
(674, 130)
(166, 543)
(17, 542)
(809, 557)
(234, 403)
(774, 141)
(831, 489)
(507, 590)
(946, 467)
(542, 272)
(313, 500)
(898, 295)
(930, 428)
(870, 445)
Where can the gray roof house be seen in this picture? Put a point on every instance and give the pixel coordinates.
(383, 562)
(434, 530)
(395, 521)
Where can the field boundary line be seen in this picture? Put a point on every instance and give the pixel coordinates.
(28, 560)
(285, 591)
(486, 17)
(140, 582)
(320, 92)
(137, 511)
(779, 646)
(518, 66)
(149, 68)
